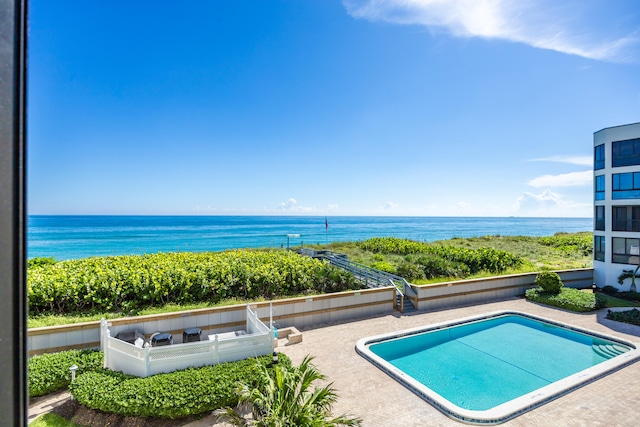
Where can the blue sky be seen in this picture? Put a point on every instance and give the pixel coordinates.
(325, 107)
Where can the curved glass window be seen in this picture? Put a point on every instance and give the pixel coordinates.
(625, 186)
(598, 157)
(599, 187)
(625, 153)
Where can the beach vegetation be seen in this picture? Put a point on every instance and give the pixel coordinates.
(424, 260)
(36, 262)
(128, 284)
(284, 397)
(557, 252)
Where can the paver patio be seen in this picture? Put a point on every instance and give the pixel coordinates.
(367, 392)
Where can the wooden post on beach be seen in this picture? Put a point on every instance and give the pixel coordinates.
(326, 233)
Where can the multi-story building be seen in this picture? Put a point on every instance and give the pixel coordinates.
(616, 228)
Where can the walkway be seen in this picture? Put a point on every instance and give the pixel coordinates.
(366, 392)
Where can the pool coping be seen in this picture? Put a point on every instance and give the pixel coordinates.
(512, 408)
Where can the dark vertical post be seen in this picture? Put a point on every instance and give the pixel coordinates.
(13, 316)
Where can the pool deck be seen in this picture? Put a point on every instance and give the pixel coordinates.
(367, 392)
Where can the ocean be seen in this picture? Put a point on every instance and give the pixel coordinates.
(72, 237)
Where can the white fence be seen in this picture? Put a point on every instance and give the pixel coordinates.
(255, 340)
(299, 312)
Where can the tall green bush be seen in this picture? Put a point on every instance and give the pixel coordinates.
(549, 281)
(124, 283)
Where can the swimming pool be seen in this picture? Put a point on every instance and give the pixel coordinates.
(488, 369)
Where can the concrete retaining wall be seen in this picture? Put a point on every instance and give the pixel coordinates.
(476, 291)
(298, 312)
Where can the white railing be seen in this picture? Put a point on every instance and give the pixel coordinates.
(255, 340)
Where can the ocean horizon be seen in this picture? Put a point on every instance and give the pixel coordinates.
(80, 236)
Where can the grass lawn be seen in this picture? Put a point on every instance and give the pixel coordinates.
(618, 302)
(52, 420)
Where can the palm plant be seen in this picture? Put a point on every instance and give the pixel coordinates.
(633, 274)
(285, 399)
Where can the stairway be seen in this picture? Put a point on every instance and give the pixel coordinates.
(408, 305)
(609, 351)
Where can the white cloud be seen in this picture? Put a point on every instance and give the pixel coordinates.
(548, 204)
(545, 24)
(571, 179)
(573, 160)
(291, 205)
(389, 206)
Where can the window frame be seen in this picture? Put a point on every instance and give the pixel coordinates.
(631, 251)
(599, 218)
(625, 186)
(599, 187)
(598, 157)
(599, 247)
(618, 148)
(13, 301)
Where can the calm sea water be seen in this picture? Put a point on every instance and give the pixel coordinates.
(73, 237)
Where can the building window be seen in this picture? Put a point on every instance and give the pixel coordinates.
(625, 218)
(625, 185)
(600, 187)
(625, 153)
(598, 248)
(625, 251)
(598, 157)
(599, 217)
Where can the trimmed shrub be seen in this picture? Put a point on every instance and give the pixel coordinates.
(50, 372)
(568, 298)
(173, 395)
(628, 316)
(549, 281)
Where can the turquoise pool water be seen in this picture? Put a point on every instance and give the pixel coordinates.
(482, 364)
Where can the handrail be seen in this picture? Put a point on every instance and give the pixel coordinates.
(371, 277)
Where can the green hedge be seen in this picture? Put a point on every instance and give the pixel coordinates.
(174, 395)
(124, 283)
(627, 316)
(549, 281)
(50, 372)
(568, 298)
